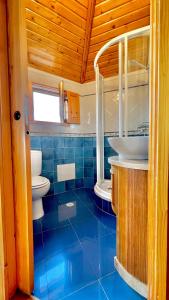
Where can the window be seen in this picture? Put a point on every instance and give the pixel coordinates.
(47, 105)
(50, 106)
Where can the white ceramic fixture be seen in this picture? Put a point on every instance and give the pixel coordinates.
(40, 185)
(134, 147)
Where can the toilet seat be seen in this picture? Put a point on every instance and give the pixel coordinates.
(39, 181)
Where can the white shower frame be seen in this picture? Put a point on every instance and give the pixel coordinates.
(100, 103)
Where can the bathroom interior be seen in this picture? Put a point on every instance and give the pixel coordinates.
(103, 130)
(88, 115)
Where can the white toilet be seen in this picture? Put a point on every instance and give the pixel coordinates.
(40, 185)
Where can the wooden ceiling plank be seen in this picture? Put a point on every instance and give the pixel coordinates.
(63, 11)
(47, 43)
(75, 6)
(43, 46)
(122, 20)
(109, 51)
(54, 71)
(112, 33)
(51, 54)
(100, 1)
(52, 60)
(53, 17)
(33, 17)
(45, 32)
(103, 64)
(109, 68)
(36, 58)
(57, 47)
(83, 2)
(126, 28)
(119, 11)
(89, 22)
(108, 5)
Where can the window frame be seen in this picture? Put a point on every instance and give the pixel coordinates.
(48, 90)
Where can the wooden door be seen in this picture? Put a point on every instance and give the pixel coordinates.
(158, 152)
(18, 68)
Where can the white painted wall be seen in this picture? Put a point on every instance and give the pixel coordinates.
(138, 95)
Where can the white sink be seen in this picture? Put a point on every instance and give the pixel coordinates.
(134, 147)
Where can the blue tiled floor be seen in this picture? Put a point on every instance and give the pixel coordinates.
(74, 249)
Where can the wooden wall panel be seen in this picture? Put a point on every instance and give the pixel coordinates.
(77, 29)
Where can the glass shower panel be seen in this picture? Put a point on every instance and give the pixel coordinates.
(136, 105)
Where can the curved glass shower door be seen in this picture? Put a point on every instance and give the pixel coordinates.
(133, 64)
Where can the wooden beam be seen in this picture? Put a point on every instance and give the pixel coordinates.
(89, 23)
(158, 152)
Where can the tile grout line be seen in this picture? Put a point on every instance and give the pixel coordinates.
(103, 290)
(89, 284)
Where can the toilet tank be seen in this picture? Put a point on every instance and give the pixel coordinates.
(36, 162)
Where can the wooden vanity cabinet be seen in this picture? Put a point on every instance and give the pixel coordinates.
(129, 202)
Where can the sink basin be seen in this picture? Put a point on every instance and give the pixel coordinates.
(134, 147)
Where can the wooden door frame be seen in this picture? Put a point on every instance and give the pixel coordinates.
(158, 152)
(8, 280)
(18, 70)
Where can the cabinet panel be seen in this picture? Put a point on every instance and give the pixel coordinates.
(132, 221)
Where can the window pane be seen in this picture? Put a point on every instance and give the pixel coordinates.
(46, 107)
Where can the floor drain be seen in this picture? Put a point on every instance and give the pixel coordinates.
(70, 204)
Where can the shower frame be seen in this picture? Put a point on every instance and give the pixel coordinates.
(101, 192)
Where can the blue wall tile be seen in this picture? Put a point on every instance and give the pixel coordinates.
(47, 142)
(70, 153)
(107, 174)
(79, 172)
(59, 153)
(88, 162)
(88, 172)
(79, 183)
(58, 142)
(48, 154)
(48, 165)
(70, 185)
(88, 182)
(88, 142)
(79, 152)
(35, 142)
(59, 187)
(88, 152)
(64, 150)
(79, 162)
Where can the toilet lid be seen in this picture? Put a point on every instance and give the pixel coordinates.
(38, 181)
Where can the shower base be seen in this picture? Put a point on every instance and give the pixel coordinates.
(103, 190)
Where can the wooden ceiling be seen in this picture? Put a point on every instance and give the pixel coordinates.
(64, 36)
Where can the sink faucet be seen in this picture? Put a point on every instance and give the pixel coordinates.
(143, 127)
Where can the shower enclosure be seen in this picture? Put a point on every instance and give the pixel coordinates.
(133, 58)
